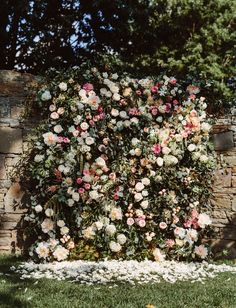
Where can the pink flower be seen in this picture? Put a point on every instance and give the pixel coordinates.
(130, 221)
(54, 115)
(60, 139)
(169, 243)
(112, 176)
(167, 107)
(162, 225)
(79, 181)
(87, 186)
(81, 190)
(66, 140)
(172, 81)
(86, 172)
(175, 102)
(88, 87)
(154, 111)
(156, 149)
(142, 223)
(194, 213)
(138, 92)
(154, 89)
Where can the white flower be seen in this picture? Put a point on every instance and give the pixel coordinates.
(166, 150)
(60, 223)
(180, 232)
(204, 220)
(116, 213)
(98, 225)
(114, 112)
(138, 197)
(146, 181)
(94, 195)
(123, 114)
(191, 236)
(49, 212)
(134, 141)
(64, 230)
(89, 233)
(115, 247)
(100, 162)
(144, 204)
(58, 129)
(206, 127)
(158, 255)
(191, 147)
(159, 161)
(70, 202)
(139, 186)
(170, 160)
(50, 138)
(201, 251)
(84, 126)
(114, 89)
(42, 250)
(145, 193)
(46, 96)
(38, 208)
(62, 86)
(89, 140)
(61, 253)
(75, 196)
(47, 225)
(110, 229)
(121, 239)
(38, 158)
(203, 158)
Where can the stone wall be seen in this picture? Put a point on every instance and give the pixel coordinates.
(14, 88)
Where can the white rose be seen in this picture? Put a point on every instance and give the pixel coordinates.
(145, 193)
(123, 114)
(206, 127)
(138, 197)
(159, 161)
(166, 150)
(115, 247)
(89, 140)
(146, 181)
(64, 230)
(38, 208)
(110, 230)
(203, 158)
(191, 147)
(75, 196)
(114, 112)
(116, 97)
(121, 239)
(62, 86)
(204, 220)
(93, 194)
(139, 186)
(61, 253)
(71, 202)
(38, 158)
(58, 129)
(49, 212)
(84, 126)
(98, 225)
(134, 141)
(42, 250)
(60, 223)
(100, 162)
(46, 96)
(144, 204)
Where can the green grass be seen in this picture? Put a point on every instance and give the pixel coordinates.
(17, 293)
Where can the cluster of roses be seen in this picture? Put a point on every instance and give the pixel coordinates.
(122, 167)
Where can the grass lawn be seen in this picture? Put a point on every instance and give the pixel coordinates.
(17, 293)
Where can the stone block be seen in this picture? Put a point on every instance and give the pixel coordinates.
(234, 203)
(219, 214)
(16, 111)
(2, 167)
(222, 178)
(223, 141)
(13, 197)
(218, 245)
(4, 107)
(10, 140)
(223, 202)
(4, 241)
(233, 181)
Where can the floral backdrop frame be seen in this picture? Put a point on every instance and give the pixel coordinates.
(120, 168)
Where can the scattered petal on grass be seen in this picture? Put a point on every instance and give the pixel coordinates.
(106, 272)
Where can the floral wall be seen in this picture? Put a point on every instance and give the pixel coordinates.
(13, 90)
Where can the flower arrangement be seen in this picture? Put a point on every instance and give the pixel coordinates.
(120, 169)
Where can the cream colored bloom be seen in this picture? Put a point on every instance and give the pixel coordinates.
(50, 138)
(62, 86)
(158, 255)
(115, 247)
(42, 250)
(116, 213)
(61, 253)
(47, 225)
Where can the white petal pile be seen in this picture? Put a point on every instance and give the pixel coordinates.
(105, 272)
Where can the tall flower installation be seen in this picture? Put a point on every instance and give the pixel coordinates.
(120, 169)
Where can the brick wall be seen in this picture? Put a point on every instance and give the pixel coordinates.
(13, 91)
